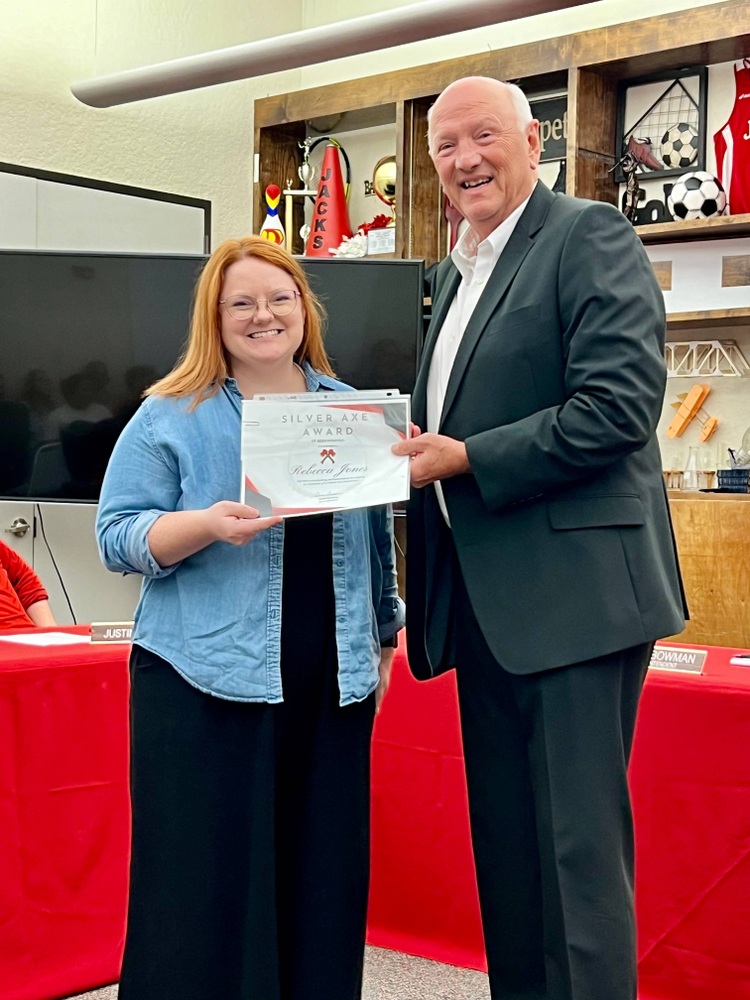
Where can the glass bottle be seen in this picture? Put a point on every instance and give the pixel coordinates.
(707, 462)
(675, 474)
(690, 477)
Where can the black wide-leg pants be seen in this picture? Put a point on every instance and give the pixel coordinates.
(250, 851)
(546, 763)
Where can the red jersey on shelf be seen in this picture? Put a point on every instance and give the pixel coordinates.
(732, 145)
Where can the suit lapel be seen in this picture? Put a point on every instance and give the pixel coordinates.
(448, 282)
(521, 241)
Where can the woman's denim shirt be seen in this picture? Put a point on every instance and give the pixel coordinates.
(216, 616)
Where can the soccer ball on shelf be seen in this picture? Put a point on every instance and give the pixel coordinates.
(679, 146)
(697, 195)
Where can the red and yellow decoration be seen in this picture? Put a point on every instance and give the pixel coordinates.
(272, 230)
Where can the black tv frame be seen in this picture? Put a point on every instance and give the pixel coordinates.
(354, 309)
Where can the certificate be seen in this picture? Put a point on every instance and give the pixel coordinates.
(323, 451)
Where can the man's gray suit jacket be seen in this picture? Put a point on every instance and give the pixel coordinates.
(562, 529)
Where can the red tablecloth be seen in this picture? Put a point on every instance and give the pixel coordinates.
(63, 816)
(690, 781)
(690, 778)
(64, 825)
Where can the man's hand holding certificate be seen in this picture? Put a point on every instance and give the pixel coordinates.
(312, 452)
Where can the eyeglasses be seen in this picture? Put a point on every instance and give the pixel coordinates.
(242, 307)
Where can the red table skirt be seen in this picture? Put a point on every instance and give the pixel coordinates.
(690, 782)
(64, 814)
(64, 826)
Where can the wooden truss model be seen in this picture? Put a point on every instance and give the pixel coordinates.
(696, 358)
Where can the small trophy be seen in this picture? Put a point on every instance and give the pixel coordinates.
(384, 184)
(383, 241)
(306, 171)
(306, 174)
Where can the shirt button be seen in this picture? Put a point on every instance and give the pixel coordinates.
(480, 281)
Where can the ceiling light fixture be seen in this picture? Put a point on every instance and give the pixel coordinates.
(412, 23)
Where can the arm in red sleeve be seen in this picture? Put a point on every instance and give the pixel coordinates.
(22, 578)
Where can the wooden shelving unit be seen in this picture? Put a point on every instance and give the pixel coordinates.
(724, 227)
(708, 319)
(710, 528)
(587, 65)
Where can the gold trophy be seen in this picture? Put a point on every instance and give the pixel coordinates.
(384, 184)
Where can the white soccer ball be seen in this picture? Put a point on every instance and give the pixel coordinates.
(679, 146)
(697, 195)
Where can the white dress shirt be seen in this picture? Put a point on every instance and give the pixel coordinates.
(475, 263)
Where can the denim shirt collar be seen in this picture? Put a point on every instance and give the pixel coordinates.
(316, 381)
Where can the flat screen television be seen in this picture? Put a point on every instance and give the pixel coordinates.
(375, 317)
(81, 336)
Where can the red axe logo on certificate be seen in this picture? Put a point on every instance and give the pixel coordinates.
(328, 455)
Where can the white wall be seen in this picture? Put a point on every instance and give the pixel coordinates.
(197, 144)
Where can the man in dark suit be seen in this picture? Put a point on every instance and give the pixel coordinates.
(541, 563)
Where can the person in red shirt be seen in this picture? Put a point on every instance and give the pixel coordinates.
(23, 599)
